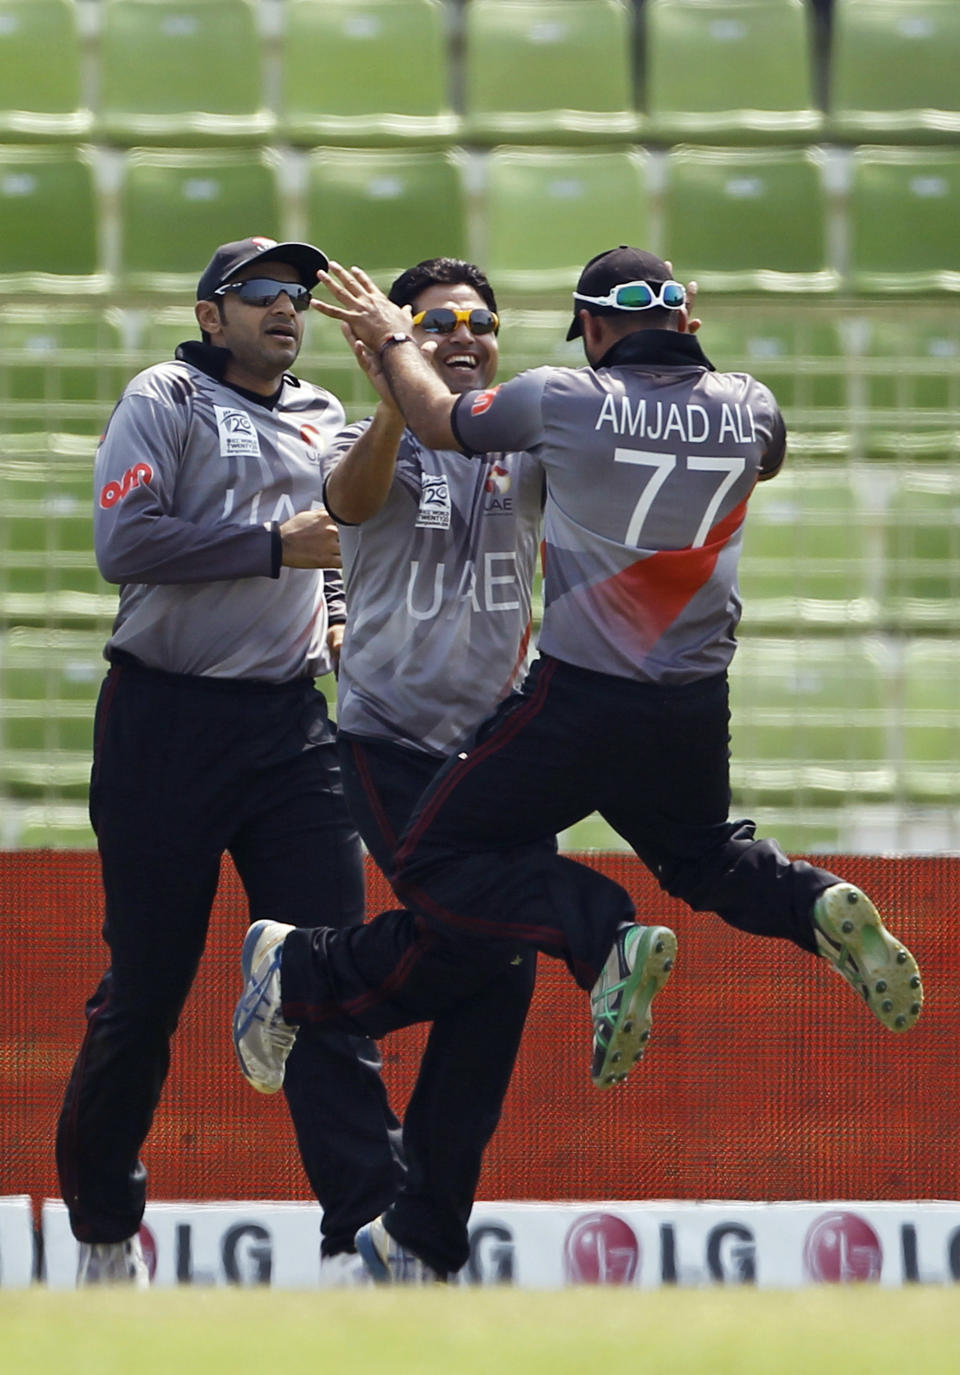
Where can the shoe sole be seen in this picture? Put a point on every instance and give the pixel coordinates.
(247, 1006)
(631, 1030)
(869, 958)
(370, 1256)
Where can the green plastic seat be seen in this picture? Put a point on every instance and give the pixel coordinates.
(48, 571)
(54, 826)
(385, 73)
(40, 71)
(931, 720)
(162, 330)
(908, 392)
(748, 219)
(60, 369)
(39, 186)
(807, 553)
(548, 71)
(548, 211)
(49, 681)
(812, 719)
(922, 551)
(181, 71)
(904, 207)
(385, 209)
(893, 70)
(801, 355)
(211, 196)
(533, 338)
(729, 71)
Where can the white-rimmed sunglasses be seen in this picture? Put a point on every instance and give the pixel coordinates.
(639, 296)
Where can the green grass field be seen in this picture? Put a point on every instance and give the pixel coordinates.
(818, 1331)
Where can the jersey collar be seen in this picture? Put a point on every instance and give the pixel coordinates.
(664, 346)
(213, 361)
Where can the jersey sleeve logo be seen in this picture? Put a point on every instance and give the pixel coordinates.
(113, 492)
(483, 401)
(238, 434)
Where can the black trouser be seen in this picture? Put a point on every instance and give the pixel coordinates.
(469, 1057)
(653, 761)
(184, 769)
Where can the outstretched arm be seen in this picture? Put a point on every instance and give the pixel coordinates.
(420, 394)
(359, 485)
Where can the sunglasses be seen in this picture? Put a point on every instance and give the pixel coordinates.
(263, 291)
(640, 296)
(442, 320)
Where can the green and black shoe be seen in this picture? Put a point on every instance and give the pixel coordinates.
(637, 967)
(852, 937)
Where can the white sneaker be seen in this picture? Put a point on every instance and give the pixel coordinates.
(113, 1262)
(637, 967)
(263, 1040)
(852, 937)
(388, 1262)
(345, 1270)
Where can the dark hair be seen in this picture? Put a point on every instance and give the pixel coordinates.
(657, 317)
(440, 272)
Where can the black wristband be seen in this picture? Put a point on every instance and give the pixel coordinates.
(276, 549)
(391, 339)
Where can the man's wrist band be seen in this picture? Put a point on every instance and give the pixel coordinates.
(392, 339)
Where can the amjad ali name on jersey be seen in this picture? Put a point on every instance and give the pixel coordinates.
(690, 423)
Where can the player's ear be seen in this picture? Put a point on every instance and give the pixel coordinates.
(208, 316)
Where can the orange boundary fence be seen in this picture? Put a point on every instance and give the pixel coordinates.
(764, 1080)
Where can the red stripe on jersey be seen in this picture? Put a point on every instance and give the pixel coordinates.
(649, 596)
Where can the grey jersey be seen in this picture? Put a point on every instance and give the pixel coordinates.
(438, 587)
(649, 467)
(189, 478)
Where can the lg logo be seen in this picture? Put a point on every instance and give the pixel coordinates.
(841, 1247)
(601, 1249)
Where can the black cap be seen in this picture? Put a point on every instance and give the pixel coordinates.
(231, 257)
(609, 269)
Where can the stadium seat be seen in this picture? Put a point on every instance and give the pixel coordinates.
(547, 211)
(384, 75)
(729, 71)
(532, 338)
(326, 360)
(60, 369)
(385, 209)
(931, 721)
(48, 210)
(800, 354)
(807, 554)
(748, 219)
(904, 208)
(48, 572)
(210, 196)
(54, 826)
(181, 71)
(893, 70)
(41, 83)
(49, 680)
(162, 330)
(907, 401)
(812, 719)
(922, 551)
(548, 71)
